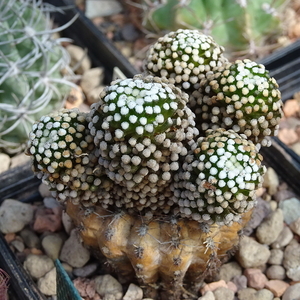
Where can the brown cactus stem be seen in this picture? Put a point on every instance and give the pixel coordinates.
(176, 252)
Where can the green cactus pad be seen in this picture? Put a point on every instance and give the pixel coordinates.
(219, 178)
(240, 96)
(141, 126)
(184, 57)
(64, 156)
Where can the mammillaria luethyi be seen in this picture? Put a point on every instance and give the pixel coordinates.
(161, 196)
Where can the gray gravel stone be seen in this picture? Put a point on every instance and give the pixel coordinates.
(52, 244)
(73, 252)
(276, 272)
(87, 270)
(102, 8)
(240, 281)
(18, 244)
(295, 226)
(14, 215)
(264, 294)
(246, 294)
(284, 238)
(208, 296)
(291, 261)
(30, 238)
(47, 284)
(223, 293)
(290, 209)
(268, 231)
(252, 254)
(108, 286)
(276, 257)
(38, 265)
(261, 211)
(229, 270)
(133, 293)
(292, 292)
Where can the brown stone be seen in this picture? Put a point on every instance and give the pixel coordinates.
(47, 219)
(288, 136)
(277, 287)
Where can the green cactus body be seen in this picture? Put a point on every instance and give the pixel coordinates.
(241, 96)
(141, 126)
(31, 82)
(240, 26)
(219, 178)
(184, 57)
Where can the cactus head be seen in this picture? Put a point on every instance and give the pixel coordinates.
(140, 127)
(240, 96)
(219, 178)
(184, 57)
(64, 156)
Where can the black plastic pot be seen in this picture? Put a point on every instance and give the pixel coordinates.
(21, 184)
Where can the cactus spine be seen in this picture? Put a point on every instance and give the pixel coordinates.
(32, 61)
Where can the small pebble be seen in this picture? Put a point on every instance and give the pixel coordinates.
(209, 295)
(38, 265)
(229, 270)
(18, 244)
(295, 226)
(73, 252)
(107, 285)
(247, 294)
(240, 282)
(102, 8)
(91, 79)
(276, 257)
(271, 181)
(47, 219)
(44, 190)
(291, 261)
(47, 283)
(213, 286)
(30, 238)
(67, 222)
(276, 272)
(268, 231)
(79, 59)
(277, 287)
(252, 254)
(288, 136)
(52, 244)
(292, 292)
(15, 215)
(133, 293)
(223, 293)
(255, 278)
(87, 270)
(290, 209)
(283, 239)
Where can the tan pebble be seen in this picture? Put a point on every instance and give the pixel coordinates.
(288, 136)
(271, 181)
(10, 237)
(75, 98)
(277, 287)
(213, 286)
(91, 79)
(260, 191)
(291, 107)
(18, 160)
(79, 59)
(295, 226)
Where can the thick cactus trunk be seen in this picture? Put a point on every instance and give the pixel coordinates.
(167, 255)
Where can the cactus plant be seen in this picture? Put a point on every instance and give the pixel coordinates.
(32, 61)
(149, 190)
(247, 27)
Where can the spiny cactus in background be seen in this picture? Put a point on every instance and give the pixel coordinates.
(162, 199)
(32, 62)
(249, 28)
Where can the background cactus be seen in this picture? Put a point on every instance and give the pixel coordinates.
(149, 190)
(31, 71)
(247, 27)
